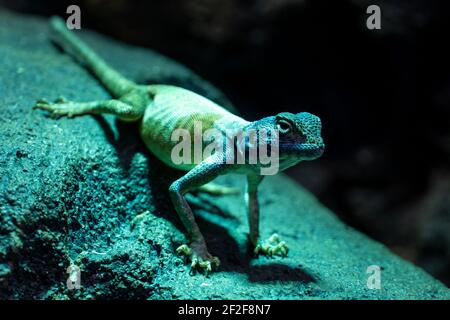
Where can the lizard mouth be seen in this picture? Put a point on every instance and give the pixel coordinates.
(308, 151)
(316, 151)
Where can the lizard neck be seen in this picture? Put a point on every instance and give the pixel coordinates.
(231, 124)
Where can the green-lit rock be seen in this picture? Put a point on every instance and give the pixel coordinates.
(86, 192)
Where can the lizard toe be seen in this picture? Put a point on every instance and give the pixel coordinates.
(272, 247)
(200, 259)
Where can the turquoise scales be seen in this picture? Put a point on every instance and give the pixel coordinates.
(160, 109)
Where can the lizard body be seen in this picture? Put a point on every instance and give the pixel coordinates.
(161, 109)
(177, 108)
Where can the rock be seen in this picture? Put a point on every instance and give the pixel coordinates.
(85, 194)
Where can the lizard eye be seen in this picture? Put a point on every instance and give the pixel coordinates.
(284, 126)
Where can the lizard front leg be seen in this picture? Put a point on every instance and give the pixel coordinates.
(273, 245)
(203, 173)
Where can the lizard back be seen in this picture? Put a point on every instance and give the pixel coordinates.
(177, 108)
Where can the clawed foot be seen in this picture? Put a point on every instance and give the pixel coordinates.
(61, 107)
(272, 246)
(200, 258)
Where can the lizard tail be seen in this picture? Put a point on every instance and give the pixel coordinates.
(117, 84)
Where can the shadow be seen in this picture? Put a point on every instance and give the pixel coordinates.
(234, 259)
(109, 133)
(126, 142)
(279, 272)
(160, 178)
(198, 201)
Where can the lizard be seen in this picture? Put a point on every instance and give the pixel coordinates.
(160, 109)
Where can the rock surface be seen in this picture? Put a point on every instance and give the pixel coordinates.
(85, 192)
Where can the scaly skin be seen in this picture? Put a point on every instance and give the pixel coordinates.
(160, 109)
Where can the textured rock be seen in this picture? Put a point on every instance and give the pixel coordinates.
(86, 192)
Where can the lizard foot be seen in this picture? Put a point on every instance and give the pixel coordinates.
(61, 107)
(272, 246)
(200, 258)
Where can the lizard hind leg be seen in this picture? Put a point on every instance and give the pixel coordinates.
(62, 107)
(217, 189)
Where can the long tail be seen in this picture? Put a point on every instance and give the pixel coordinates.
(117, 84)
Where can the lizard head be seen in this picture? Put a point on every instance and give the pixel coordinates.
(299, 136)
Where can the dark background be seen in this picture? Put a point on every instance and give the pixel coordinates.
(383, 95)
